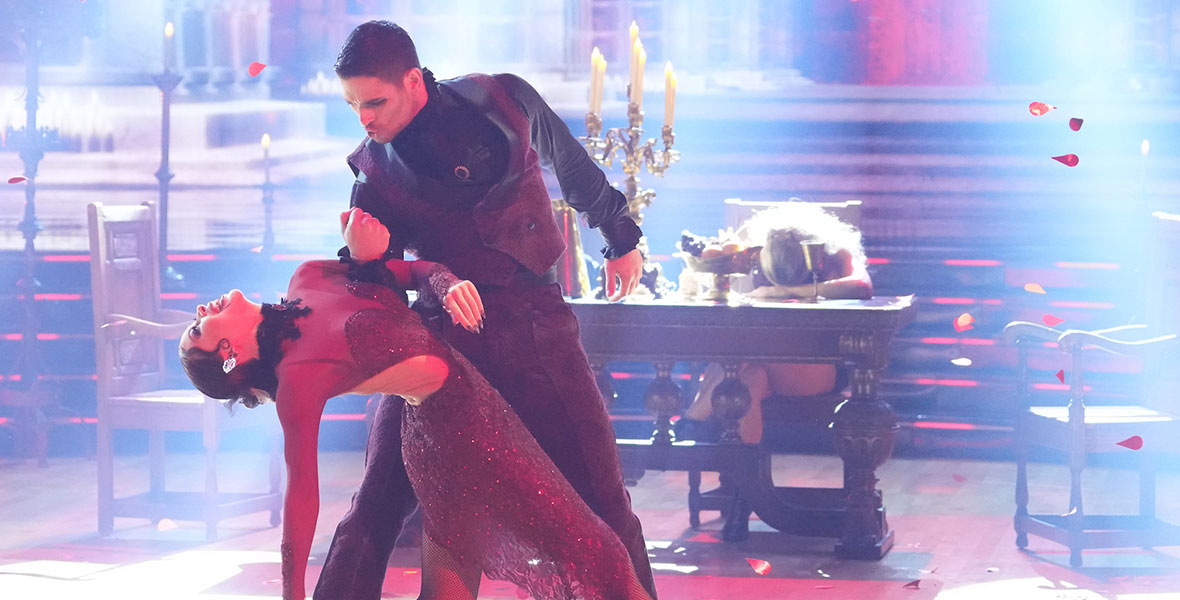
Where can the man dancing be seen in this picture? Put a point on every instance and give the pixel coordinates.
(453, 170)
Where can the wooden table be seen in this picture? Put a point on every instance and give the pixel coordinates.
(856, 332)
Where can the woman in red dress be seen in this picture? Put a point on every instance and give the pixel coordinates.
(492, 501)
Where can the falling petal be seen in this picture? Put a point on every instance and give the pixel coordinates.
(822, 574)
(961, 362)
(1061, 375)
(1134, 442)
(993, 569)
(256, 249)
(273, 581)
(1069, 160)
(1039, 108)
(963, 322)
(703, 537)
(17, 179)
(760, 567)
(256, 68)
(958, 478)
(913, 585)
(679, 550)
(1052, 321)
(1034, 288)
(167, 525)
(1075, 123)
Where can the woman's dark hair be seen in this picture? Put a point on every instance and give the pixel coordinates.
(377, 49)
(204, 367)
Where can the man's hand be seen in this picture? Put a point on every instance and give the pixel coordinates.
(464, 305)
(365, 236)
(627, 268)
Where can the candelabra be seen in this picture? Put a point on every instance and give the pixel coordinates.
(636, 154)
(166, 82)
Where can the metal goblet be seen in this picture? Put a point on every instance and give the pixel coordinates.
(813, 259)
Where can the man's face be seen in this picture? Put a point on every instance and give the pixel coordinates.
(384, 108)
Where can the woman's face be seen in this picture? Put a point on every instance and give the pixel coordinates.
(231, 317)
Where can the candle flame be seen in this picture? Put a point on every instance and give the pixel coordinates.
(169, 29)
(266, 140)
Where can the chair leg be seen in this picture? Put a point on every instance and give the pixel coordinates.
(156, 464)
(694, 499)
(1019, 519)
(276, 478)
(211, 508)
(105, 458)
(1077, 515)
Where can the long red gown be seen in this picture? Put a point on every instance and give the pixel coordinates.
(489, 494)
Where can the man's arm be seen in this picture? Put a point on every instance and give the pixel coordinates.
(583, 184)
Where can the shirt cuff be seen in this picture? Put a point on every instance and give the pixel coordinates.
(621, 235)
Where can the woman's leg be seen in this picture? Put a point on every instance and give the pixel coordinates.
(444, 578)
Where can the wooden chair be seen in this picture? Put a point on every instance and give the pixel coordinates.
(1081, 431)
(130, 329)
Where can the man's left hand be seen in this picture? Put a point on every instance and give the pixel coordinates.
(627, 269)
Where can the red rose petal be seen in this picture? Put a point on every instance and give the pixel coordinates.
(256, 68)
(963, 322)
(1052, 321)
(1039, 108)
(1034, 288)
(913, 585)
(1069, 160)
(760, 567)
(1134, 442)
(1075, 124)
(17, 179)
(958, 478)
(1061, 375)
(703, 537)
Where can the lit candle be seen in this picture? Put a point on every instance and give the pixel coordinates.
(599, 76)
(634, 32)
(669, 93)
(266, 155)
(594, 56)
(634, 64)
(639, 75)
(169, 46)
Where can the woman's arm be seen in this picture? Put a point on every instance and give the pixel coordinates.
(299, 415)
(854, 283)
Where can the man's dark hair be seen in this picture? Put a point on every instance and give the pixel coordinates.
(377, 49)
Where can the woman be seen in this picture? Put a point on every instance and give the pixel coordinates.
(780, 273)
(491, 499)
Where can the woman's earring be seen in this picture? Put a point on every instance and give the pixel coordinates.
(231, 360)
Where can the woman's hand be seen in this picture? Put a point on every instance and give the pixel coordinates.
(464, 305)
(365, 236)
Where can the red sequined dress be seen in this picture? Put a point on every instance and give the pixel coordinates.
(489, 494)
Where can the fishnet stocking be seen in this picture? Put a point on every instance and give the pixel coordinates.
(444, 578)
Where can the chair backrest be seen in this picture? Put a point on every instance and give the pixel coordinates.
(738, 211)
(125, 279)
(1163, 298)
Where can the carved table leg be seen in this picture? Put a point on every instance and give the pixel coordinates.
(731, 400)
(663, 399)
(865, 428)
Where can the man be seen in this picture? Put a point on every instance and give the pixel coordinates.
(453, 170)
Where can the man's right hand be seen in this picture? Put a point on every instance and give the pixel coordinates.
(365, 236)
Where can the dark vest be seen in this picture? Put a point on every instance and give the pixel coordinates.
(511, 225)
